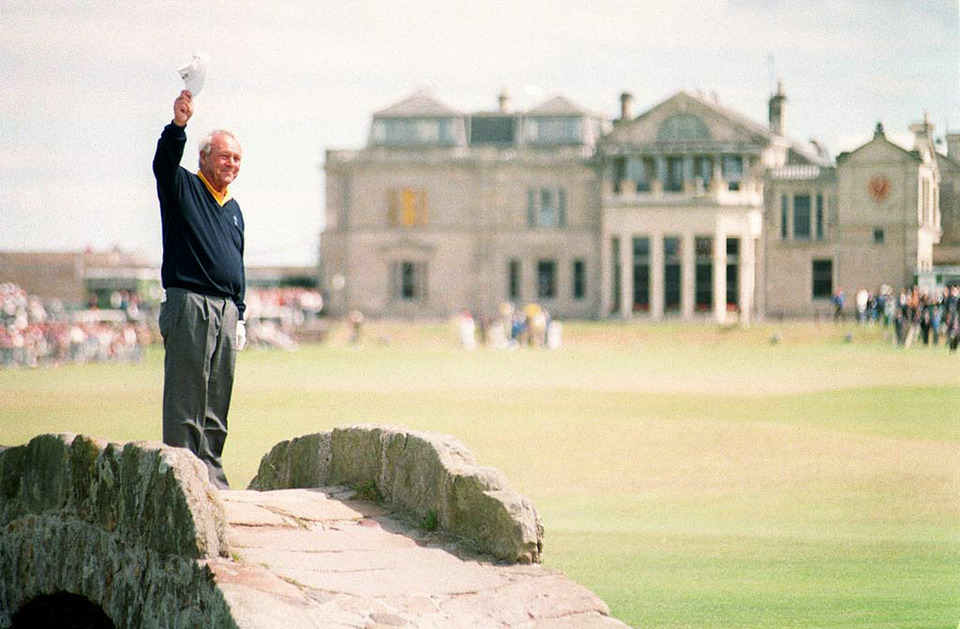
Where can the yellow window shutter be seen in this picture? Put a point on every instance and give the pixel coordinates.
(409, 207)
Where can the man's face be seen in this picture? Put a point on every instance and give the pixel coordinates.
(222, 165)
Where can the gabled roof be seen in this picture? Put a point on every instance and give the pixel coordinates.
(630, 131)
(731, 114)
(559, 106)
(686, 101)
(880, 137)
(419, 105)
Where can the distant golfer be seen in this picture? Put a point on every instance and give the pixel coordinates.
(201, 319)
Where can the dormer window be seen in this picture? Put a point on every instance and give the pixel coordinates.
(413, 131)
(493, 130)
(553, 130)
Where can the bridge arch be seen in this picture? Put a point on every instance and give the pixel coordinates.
(128, 528)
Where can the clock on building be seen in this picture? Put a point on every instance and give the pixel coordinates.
(879, 187)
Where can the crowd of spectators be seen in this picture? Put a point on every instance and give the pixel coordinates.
(276, 316)
(530, 326)
(914, 315)
(34, 333)
(117, 327)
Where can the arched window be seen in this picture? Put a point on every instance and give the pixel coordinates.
(683, 127)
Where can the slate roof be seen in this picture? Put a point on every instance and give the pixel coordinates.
(421, 104)
(560, 106)
(915, 155)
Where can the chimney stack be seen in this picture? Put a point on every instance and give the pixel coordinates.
(503, 102)
(953, 146)
(922, 131)
(626, 107)
(776, 110)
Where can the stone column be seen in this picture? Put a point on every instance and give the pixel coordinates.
(760, 281)
(789, 217)
(688, 276)
(658, 184)
(716, 179)
(688, 186)
(626, 275)
(720, 276)
(606, 275)
(747, 271)
(656, 275)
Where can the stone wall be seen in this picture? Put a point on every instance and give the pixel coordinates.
(431, 477)
(130, 527)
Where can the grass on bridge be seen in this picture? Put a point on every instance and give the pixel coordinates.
(691, 476)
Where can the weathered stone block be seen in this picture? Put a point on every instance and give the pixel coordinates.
(45, 483)
(355, 455)
(300, 463)
(412, 474)
(426, 475)
(84, 453)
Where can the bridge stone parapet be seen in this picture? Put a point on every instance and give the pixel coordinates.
(430, 477)
(133, 535)
(131, 528)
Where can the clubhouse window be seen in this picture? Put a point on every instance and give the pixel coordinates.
(641, 274)
(407, 207)
(822, 273)
(732, 168)
(553, 130)
(513, 280)
(546, 279)
(642, 170)
(547, 207)
(409, 281)
(414, 131)
(733, 272)
(819, 217)
(878, 235)
(494, 130)
(703, 274)
(784, 216)
(801, 217)
(579, 279)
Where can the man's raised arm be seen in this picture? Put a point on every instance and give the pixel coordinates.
(173, 139)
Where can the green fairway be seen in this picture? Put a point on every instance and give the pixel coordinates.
(691, 476)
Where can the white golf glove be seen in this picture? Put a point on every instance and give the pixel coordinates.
(241, 335)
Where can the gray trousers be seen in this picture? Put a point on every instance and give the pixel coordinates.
(199, 339)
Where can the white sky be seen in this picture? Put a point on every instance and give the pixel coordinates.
(87, 87)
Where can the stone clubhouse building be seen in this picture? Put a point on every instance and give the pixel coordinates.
(689, 210)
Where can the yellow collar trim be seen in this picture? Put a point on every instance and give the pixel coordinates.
(220, 198)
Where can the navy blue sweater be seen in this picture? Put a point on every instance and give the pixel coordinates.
(202, 241)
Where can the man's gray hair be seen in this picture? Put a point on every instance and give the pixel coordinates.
(206, 144)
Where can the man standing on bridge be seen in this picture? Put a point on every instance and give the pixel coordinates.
(201, 319)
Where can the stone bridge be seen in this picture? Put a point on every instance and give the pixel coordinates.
(362, 527)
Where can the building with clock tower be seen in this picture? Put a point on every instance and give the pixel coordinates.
(873, 219)
(687, 211)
